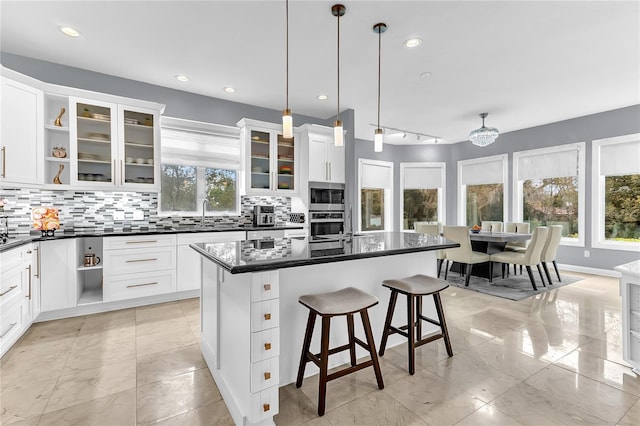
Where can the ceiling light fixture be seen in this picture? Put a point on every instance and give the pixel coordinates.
(71, 32)
(484, 135)
(229, 89)
(396, 131)
(377, 138)
(425, 74)
(338, 10)
(412, 42)
(287, 119)
(323, 97)
(182, 78)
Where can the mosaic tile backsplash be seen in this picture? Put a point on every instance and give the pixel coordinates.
(96, 210)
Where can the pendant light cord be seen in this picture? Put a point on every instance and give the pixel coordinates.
(338, 50)
(287, 43)
(379, 67)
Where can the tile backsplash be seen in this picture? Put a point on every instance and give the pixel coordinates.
(100, 210)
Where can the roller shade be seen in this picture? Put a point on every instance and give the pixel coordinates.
(482, 173)
(620, 158)
(376, 176)
(190, 143)
(422, 177)
(548, 165)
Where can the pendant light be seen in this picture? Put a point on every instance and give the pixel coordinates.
(484, 135)
(338, 10)
(287, 119)
(377, 138)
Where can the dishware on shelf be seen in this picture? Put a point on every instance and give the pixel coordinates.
(58, 121)
(90, 259)
(88, 156)
(285, 170)
(98, 136)
(101, 117)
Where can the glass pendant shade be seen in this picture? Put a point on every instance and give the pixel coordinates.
(377, 141)
(287, 124)
(484, 135)
(338, 134)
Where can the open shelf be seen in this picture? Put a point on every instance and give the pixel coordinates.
(57, 159)
(56, 128)
(90, 296)
(88, 268)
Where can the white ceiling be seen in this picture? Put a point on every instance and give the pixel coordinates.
(526, 63)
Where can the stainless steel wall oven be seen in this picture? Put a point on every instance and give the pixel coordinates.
(326, 211)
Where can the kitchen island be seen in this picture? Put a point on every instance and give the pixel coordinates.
(252, 325)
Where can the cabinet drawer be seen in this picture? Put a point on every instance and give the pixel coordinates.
(265, 374)
(265, 344)
(11, 286)
(11, 258)
(144, 241)
(10, 326)
(264, 404)
(210, 237)
(139, 260)
(265, 315)
(122, 287)
(264, 286)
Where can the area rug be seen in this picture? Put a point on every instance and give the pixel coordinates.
(515, 287)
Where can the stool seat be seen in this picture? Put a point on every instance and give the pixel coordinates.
(346, 301)
(422, 285)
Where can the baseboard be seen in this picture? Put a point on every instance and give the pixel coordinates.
(587, 270)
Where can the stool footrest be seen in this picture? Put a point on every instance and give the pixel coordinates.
(399, 330)
(429, 339)
(349, 370)
(434, 322)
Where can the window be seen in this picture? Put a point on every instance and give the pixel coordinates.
(199, 161)
(482, 190)
(375, 195)
(616, 193)
(422, 186)
(549, 189)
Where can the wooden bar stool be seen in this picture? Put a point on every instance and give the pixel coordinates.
(342, 302)
(414, 288)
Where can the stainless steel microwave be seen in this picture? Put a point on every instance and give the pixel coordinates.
(325, 196)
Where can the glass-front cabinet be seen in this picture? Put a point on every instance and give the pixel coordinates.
(271, 160)
(138, 165)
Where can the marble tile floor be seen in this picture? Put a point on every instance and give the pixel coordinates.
(552, 359)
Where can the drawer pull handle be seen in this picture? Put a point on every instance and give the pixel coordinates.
(142, 260)
(267, 346)
(140, 242)
(267, 375)
(8, 330)
(267, 287)
(141, 285)
(267, 317)
(266, 407)
(10, 288)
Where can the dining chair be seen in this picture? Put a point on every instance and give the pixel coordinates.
(463, 254)
(491, 226)
(531, 257)
(519, 246)
(431, 229)
(550, 250)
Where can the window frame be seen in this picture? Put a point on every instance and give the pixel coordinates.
(462, 189)
(441, 190)
(388, 194)
(598, 196)
(518, 202)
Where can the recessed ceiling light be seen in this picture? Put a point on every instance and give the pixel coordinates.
(229, 89)
(412, 42)
(425, 74)
(71, 32)
(323, 97)
(182, 78)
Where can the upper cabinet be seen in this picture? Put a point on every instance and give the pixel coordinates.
(21, 123)
(326, 161)
(271, 161)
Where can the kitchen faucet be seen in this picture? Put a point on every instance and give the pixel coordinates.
(205, 201)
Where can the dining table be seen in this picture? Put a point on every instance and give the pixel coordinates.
(490, 243)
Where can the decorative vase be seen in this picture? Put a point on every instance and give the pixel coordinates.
(57, 121)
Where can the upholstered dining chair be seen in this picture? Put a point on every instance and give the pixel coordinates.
(491, 226)
(521, 245)
(463, 254)
(550, 250)
(531, 257)
(431, 229)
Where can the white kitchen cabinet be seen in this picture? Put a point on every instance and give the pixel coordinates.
(271, 162)
(58, 288)
(56, 141)
(34, 299)
(21, 133)
(139, 266)
(630, 293)
(326, 161)
(114, 146)
(189, 269)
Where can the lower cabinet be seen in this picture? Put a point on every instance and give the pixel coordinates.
(58, 289)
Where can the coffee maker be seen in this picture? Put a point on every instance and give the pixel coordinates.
(264, 216)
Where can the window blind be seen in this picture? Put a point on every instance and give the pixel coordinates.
(482, 173)
(620, 158)
(422, 177)
(375, 176)
(548, 164)
(192, 143)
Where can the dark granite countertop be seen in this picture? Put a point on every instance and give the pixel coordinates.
(22, 239)
(263, 255)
